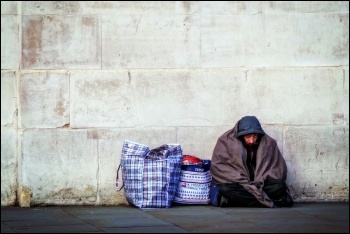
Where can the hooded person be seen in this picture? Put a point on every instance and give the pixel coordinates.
(248, 168)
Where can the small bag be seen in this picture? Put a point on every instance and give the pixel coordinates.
(214, 194)
(195, 180)
(150, 177)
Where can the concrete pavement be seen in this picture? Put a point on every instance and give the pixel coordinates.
(302, 218)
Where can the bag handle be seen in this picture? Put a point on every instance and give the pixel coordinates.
(117, 180)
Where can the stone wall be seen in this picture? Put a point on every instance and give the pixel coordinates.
(80, 77)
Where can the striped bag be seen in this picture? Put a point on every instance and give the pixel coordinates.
(195, 180)
(150, 177)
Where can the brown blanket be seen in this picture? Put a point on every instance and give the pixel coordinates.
(227, 164)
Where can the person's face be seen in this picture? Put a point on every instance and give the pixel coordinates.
(250, 139)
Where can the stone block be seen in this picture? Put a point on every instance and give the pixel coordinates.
(44, 99)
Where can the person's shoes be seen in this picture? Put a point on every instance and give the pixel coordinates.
(223, 201)
(285, 201)
(289, 200)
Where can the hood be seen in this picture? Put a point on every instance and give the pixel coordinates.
(248, 125)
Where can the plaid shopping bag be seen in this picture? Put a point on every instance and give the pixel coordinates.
(150, 177)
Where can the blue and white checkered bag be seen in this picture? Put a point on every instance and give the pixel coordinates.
(150, 177)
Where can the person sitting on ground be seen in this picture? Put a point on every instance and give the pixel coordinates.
(248, 169)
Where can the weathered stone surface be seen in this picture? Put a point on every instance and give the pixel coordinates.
(150, 41)
(43, 7)
(9, 166)
(231, 8)
(59, 167)
(270, 40)
(200, 141)
(8, 7)
(8, 98)
(172, 98)
(54, 41)
(346, 95)
(102, 99)
(9, 42)
(309, 96)
(155, 98)
(273, 7)
(25, 196)
(133, 8)
(187, 98)
(309, 45)
(319, 162)
(44, 98)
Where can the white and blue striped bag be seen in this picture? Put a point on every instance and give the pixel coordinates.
(194, 183)
(150, 177)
